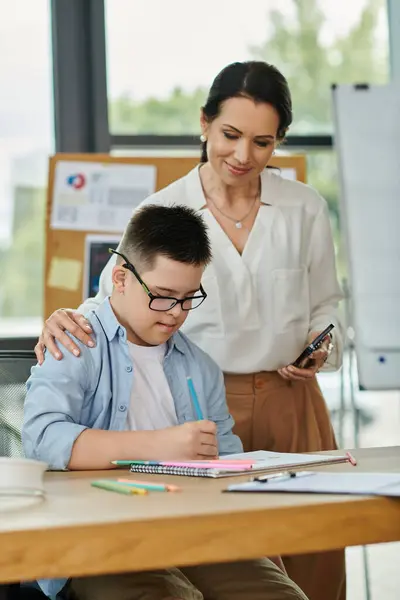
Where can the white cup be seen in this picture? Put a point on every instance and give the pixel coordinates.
(21, 476)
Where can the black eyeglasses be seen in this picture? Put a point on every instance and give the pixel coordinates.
(163, 303)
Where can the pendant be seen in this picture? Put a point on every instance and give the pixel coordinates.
(238, 225)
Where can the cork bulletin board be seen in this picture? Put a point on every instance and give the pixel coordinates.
(66, 265)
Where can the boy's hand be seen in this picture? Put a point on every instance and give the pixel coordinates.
(195, 440)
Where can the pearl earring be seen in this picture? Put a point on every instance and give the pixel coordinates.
(203, 138)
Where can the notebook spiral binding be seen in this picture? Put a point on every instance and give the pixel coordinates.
(163, 470)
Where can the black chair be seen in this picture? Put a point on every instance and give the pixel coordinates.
(15, 368)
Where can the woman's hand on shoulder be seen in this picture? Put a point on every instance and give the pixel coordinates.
(62, 320)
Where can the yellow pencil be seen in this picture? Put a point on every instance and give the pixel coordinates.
(114, 486)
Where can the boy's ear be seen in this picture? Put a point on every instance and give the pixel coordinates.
(119, 278)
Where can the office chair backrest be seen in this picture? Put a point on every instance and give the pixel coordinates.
(15, 368)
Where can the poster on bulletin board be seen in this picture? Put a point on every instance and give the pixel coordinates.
(98, 196)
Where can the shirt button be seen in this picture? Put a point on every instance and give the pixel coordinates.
(128, 369)
(120, 333)
(122, 407)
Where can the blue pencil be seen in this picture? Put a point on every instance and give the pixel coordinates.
(195, 400)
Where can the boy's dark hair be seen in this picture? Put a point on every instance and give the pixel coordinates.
(176, 232)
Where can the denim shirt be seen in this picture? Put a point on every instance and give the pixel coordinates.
(93, 391)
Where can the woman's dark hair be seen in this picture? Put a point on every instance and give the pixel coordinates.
(253, 79)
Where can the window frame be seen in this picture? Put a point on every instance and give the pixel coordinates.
(189, 141)
(80, 81)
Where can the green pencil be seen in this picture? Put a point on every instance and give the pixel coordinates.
(114, 486)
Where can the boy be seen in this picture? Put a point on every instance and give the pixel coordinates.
(128, 397)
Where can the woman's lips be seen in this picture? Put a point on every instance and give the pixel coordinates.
(238, 171)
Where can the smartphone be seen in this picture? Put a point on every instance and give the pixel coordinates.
(314, 345)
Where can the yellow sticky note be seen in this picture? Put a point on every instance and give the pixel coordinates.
(64, 274)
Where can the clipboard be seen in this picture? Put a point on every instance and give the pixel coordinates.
(314, 482)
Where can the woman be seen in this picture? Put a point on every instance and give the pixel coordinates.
(271, 287)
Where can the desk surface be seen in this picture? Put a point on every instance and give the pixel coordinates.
(81, 530)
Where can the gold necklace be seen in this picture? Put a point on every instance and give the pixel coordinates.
(238, 222)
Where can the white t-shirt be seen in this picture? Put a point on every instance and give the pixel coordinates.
(262, 304)
(152, 405)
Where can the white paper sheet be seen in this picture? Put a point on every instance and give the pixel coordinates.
(91, 196)
(380, 484)
(278, 460)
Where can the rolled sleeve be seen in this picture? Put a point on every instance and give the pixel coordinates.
(56, 392)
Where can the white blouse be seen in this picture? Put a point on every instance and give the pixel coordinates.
(261, 305)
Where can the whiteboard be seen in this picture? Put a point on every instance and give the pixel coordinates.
(367, 139)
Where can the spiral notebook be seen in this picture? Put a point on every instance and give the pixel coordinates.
(261, 462)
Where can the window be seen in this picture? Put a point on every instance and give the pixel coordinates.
(26, 139)
(162, 56)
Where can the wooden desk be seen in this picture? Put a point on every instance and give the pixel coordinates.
(80, 530)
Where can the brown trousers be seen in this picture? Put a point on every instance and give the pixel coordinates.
(248, 580)
(271, 413)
